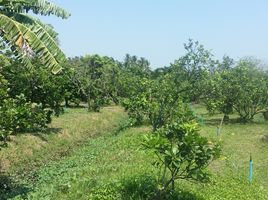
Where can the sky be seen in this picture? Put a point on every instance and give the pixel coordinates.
(157, 29)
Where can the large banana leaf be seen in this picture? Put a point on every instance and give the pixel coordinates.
(42, 7)
(24, 38)
(43, 32)
(28, 36)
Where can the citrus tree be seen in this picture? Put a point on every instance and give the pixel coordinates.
(181, 154)
(96, 80)
(241, 88)
(250, 84)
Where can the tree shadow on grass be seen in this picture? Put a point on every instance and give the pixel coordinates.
(76, 106)
(40, 134)
(9, 188)
(48, 131)
(217, 121)
(264, 138)
(145, 187)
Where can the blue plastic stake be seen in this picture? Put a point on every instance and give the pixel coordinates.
(250, 169)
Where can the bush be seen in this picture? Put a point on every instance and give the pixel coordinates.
(137, 108)
(265, 115)
(182, 154)
(18, 115)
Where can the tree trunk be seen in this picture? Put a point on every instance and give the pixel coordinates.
(173, 186)
(265, 115)
(66, 102)
(226, 118)
(89, 104)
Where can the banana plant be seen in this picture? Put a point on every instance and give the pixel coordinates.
(27, 36)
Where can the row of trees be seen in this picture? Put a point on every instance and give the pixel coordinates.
(28, 96)
(153, 96)
(226, 87)
(150, 96)
(29, 52)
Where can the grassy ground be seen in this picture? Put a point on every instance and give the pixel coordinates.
(28, 152)
(239, 141)
(112, 165)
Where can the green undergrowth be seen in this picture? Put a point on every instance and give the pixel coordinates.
(64, 135)
(28, 152)
(112, 165)
(239, 141)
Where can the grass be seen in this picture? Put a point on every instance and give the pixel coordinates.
(103, 165)
(239, 141)
(66, 134)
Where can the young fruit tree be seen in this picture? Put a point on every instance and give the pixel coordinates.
(181, 154)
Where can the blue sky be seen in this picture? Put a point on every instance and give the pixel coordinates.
(157, 29)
